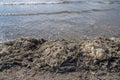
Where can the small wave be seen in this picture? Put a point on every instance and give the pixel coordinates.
(108, 2)
(29, 3)
(59, 12)
(38, 13)
(37, 3)
(73, 1)
(59, 2)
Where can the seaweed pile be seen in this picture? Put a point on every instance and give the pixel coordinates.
(61, 55)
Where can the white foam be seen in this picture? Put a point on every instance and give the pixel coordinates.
(29, 3)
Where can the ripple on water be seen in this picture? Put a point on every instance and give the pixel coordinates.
(57, 12)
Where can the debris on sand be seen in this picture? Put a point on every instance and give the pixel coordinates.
(101, 54)
(61, 55)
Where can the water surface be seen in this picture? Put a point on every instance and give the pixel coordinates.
(59, 18)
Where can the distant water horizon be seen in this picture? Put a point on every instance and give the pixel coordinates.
(59, 18)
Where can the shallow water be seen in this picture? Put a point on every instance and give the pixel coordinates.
(59, 18)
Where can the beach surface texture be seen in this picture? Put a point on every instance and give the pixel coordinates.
(41, 59)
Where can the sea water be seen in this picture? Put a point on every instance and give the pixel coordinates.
(59, 18)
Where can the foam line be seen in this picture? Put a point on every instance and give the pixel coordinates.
(29, 3)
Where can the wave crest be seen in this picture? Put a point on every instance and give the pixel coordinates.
(37, 3)
(29, 3)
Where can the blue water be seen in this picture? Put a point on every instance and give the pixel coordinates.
(59, 18)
